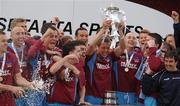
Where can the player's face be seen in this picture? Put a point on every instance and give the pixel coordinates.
(130, 40)
(3, 43)
(170, 40)
(103, 49)
(18, 35)
(51, 40)
(170, 63)
(78, 51)
(82, 36)
(143, 39)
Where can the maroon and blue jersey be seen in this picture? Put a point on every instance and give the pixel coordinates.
(10, 69)
(64, 90)
(100, 75)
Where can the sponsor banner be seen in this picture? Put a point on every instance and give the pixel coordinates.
(77, 13)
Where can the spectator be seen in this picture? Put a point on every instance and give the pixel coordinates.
(165, 83)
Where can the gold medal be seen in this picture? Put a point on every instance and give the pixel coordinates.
(1, 79)
(126, 69)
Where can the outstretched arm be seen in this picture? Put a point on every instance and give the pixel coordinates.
(93, 43)
(176, 26)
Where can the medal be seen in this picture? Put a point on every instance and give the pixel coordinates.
(128, 61)
(126, 69)
(1, 79)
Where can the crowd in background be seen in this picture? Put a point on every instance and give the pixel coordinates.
(80, 71)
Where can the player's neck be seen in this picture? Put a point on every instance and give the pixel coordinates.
(129, 49)
(1, 53)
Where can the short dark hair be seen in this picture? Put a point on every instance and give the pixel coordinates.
(168, 36)
(79, 29)
(107, 39)
(158, 38)
(45, 27)
(172, 54)
(70, 46)
(36, 37)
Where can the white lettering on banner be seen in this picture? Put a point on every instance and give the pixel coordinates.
(102, 66)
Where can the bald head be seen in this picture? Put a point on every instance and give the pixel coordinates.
(131, 39)
(131, 34)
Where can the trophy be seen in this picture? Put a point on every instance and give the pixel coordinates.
(116, 15)
(110, 98)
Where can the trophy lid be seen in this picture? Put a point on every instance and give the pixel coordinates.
(112, 8)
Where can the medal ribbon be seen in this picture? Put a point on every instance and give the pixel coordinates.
(19, 61)
(46, 61)
(128, 60)
(3, 64)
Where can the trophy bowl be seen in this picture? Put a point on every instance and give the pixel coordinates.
(116, 15)
(108, 101)
(110, 98)
(110, 94)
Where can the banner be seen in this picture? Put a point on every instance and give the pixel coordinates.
(77, 13)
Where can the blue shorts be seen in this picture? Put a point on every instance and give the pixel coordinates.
(150, 101)
(126, 98)
(58, 104)
(94, 100)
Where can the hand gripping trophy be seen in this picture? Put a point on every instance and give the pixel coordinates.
(116, 15)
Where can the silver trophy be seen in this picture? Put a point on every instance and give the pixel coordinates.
(110, 98)
(116, 15)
